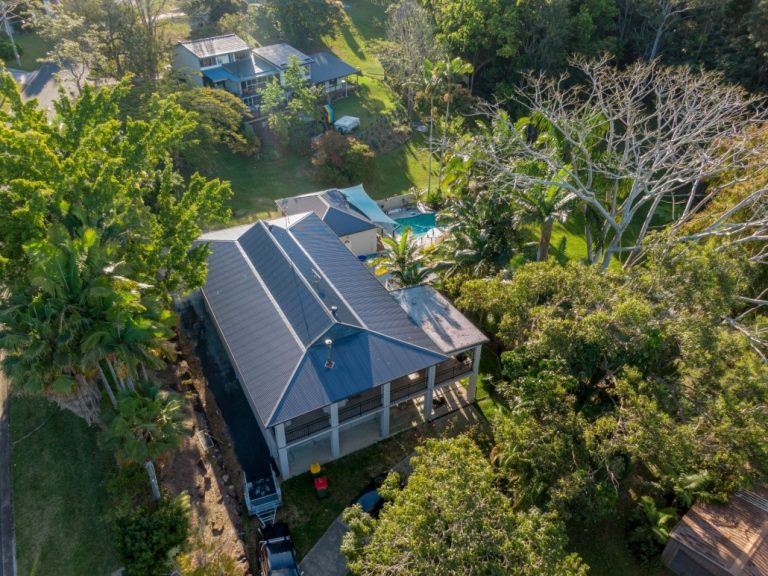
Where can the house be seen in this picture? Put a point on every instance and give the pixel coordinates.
(352, 215)
(322, 351)
(228, 62)
(722, 539)
(332, 74)
(356, 231)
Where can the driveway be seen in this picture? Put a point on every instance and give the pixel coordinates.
(7, 545)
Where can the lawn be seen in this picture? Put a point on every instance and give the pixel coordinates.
(32, 48)
(59, 496)
(258, 182)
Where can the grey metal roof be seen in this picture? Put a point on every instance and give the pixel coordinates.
(216, 45)
(448, 328)
(326, 66)
(280, 54)
(251, 67)
(272, 288)
(332, 207)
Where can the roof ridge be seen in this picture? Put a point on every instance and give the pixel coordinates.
(217, 37)
(269, 294)
(296, 268)
(325, 277)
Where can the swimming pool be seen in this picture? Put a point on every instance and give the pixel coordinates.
(420, 224)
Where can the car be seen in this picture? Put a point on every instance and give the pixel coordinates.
(277, 556)
(371, 502)
(346, 124)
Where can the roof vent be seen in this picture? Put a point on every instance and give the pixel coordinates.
(334, 310)
(329, 360)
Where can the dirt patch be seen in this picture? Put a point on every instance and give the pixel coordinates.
(210, 474)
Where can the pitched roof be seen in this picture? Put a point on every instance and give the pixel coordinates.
(216, 45)
(277, 290)
(332, 207)
(722, 539)
(250, 67)
(448, 328)
(327, 66)
(280, 54)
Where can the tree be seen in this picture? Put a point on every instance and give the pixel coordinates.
(410, 42)
(146, 424)
(291, 104)
(91, 169)
(402, 260)
(451, 519)
(302, 21)
(342, 159)
(666, 135)
(220, 122)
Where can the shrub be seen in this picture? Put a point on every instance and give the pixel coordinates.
(6, 49)
(342, 159)
(150, 536)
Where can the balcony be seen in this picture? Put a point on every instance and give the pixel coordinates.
(416, 383)
(307, 425)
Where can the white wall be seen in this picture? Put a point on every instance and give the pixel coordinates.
(362, 243)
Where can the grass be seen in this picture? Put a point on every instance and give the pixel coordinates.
(59, 497)
(33, 47)
(309, 517)
(257, 183)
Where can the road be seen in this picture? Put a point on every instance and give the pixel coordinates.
(7, 547)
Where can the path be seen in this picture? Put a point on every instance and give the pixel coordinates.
(7, 544)
(325, 557)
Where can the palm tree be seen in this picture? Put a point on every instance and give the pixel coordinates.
(147, 423)
(403, 260)
(545, 205)
(449, 73)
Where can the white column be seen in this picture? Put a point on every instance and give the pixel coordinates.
(384, 418)
(282, 450)
(472, 390)
(335, 451)
(430, 391)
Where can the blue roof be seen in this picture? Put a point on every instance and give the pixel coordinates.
(332, 207)
(220, 74)
(271, 289)
(358, 197)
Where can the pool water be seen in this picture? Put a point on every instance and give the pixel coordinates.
(419, 224)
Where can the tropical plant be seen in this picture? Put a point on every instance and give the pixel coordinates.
(652, 526)
(402, 259)
(147, 423)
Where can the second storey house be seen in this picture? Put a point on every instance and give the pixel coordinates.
(228, 62)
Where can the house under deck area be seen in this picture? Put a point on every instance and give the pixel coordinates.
(329, 361)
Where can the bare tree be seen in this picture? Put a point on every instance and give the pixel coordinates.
(410, 41)
(9, 10)
(631, 142)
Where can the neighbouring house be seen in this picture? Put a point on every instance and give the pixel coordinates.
(324, 354)
(228, 62)
(722, 539)
(352, 215)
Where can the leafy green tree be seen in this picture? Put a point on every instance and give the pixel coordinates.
(146, 424)
(90, 168)
(302, 21)
(402, 259)
(290, 106)
(452, 519)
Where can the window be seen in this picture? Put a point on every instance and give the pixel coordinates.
(205, 62)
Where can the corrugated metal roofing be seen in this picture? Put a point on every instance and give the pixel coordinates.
(257, 337)
(280, 54)
(326, 66)
(219, 74)
(332, 207)
(448, 328)
(250, 67)
(216, 45)
(271, 288)
(361, 290)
